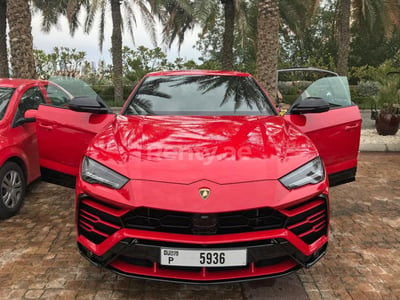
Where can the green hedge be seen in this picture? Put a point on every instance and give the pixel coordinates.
(106, 92)
(289, 99)
(363, 102)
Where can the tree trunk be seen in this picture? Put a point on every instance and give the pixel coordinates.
(268, 44)
(21, 41)
(4, 73)
(343, 35)
(227, 46)
(116, 50)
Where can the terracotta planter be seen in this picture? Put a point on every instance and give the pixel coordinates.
(387, 123)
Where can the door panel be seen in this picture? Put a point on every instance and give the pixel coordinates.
(63, 136)
(336, 134)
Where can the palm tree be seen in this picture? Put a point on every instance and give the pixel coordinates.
(71, 8)
(343, 36)
(227, 43)
(268, 43)
(4, 73)
(177, 16)
(21, 40)
(116, 49)
(296, 15)
(385, 12)
(234, 17)
(117, 22)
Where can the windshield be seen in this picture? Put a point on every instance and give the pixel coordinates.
(5, 96)
(199, 95)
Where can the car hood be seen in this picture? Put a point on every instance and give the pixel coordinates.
(187, 149)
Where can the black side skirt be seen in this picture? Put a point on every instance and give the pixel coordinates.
(58, 178)
(342, 177)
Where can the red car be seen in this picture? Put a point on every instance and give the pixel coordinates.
(19, 160)
(199, 179)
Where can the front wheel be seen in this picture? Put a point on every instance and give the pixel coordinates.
(12, 185)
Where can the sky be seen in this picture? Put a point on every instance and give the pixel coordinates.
(60, 36)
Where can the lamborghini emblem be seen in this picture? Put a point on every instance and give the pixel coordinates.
(204, 193)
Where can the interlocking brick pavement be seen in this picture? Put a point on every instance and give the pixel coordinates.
(362, 260)
(39, 258)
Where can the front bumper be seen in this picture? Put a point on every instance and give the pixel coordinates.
(141, 259)
(300, 241)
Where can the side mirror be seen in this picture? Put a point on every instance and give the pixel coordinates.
(87, 104)
(29, 117)
(309, 105)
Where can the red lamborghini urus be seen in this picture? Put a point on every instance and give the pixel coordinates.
(199, 179)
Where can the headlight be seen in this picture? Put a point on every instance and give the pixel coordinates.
(310, 173)
(94, 172)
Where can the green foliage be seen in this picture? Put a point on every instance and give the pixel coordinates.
(388, 97)
(368, 88)
(209, 42)
(291, 88)
(62, 61)
(141, 61)
(210, 64)
(371, 47)
(300, 49)
(379, 73)
(363, 102)
(106, 92)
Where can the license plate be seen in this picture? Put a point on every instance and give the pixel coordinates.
(203, 258)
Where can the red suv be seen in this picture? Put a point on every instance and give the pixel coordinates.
(199, 179)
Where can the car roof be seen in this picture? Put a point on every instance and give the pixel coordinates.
(16, 82)
(307, 69)
(198, 72)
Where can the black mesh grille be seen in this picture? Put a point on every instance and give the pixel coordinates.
(203, 224)
(98, 220)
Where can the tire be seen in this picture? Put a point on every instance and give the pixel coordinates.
(12, 189)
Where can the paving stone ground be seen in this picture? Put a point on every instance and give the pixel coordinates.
(39, 259)
(362, 260)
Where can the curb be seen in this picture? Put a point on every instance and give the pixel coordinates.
(379, 147)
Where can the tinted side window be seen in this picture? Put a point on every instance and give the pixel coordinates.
(57, 96)
(335, 90)
(5, 96)
(30, 100)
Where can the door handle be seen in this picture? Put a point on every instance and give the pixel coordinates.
(350, 127)
(45, 126)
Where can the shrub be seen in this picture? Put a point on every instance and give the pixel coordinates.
(388, 98)
(363, 102)
(106, 92)
(367, 88)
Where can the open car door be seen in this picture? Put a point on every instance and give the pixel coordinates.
(335, 128)
(63, 136)
(64, 131)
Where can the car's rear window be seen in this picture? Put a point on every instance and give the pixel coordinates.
(5, 96)
(199, 95)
